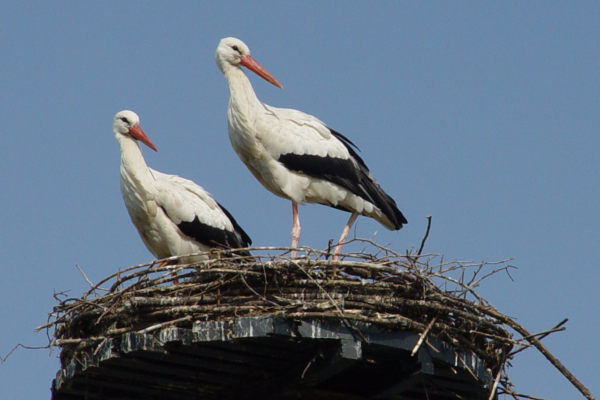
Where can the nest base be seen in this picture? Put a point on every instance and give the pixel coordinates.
(273, 358)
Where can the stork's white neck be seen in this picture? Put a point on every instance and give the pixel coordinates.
(134, 169)
(243, 103)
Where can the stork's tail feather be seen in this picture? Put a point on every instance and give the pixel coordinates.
(383, 201)
(374, 193)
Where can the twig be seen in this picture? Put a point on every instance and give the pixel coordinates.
(336, 306)
(320, 287)
(468, 368)
(158, 326)
(256, 293)
(426, 235)
(495, 385)
(84, 275)
(2, 360)
(542, 335)
(422, 337)
(553, 360)
(523, 396)
(64, 342)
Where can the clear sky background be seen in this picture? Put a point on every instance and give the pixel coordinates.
(483, 114)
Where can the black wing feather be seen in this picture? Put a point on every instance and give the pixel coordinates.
(243, 238)
(349, 145)
(216, 237)
(354, 177)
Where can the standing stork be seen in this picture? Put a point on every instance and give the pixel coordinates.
(173, 215)
(295, 155)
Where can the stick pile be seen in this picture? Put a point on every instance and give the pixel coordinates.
(398, 292)
(420, 293)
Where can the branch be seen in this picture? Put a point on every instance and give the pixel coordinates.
(422, 337)
(84, 275)
(426, 235)
(553, 360)
(2, 360)
(542, 335)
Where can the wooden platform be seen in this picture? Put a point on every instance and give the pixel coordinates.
(273, 358)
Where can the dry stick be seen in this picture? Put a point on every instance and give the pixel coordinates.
(446, 267)
(398, 320)
(546, 333)
(432, 304)
(256, 293)
(78, 304)
(266, 280)
(119, 297)
(475, 274)
(352, 327)
(495, 271)
(499, 338)
(116, 274)
(2, 360)
(84, 275)
(468, 368)
(542, 335)
(329, 244)
(100, 346)
(62, 342)
(514, 396)
(158, 326)
(496, 381)
(324, 291)
(426, 235)
(534, 341)
(316, 355)
(458, 283)
(524, 396)
(423, 335)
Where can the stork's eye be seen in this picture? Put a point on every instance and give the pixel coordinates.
(125, 120)
(236, 48)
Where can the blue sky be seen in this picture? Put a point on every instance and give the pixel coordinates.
(484, 115)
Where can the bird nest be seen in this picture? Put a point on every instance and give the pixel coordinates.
(414, 292)
(399, 292)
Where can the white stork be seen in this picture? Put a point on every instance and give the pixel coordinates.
(173, 215)
(295, 155)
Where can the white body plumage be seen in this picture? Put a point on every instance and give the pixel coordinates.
(173, 216)
(260, 143)
(295, 155)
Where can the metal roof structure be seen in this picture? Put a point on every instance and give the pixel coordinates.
(273, 358)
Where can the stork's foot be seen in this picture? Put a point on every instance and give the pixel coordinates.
(165, 263)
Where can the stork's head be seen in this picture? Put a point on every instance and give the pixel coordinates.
(127, 123)
(234, 52)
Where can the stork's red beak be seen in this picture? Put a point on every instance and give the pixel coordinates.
(139, 134)
(254, 66)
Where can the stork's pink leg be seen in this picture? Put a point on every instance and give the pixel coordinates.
(296, 229)
(164, 263)
(344, 235)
